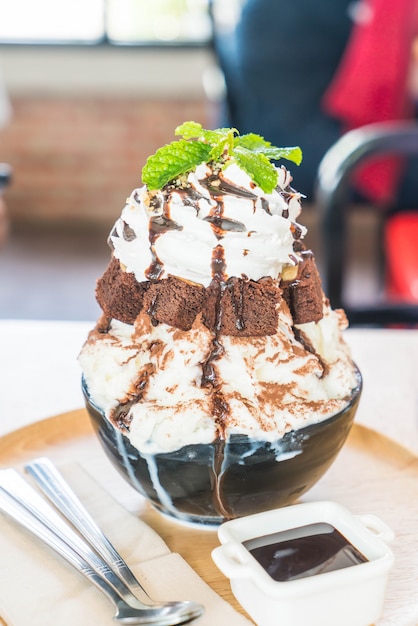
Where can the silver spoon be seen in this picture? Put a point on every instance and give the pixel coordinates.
(65, 500)
(20, 502)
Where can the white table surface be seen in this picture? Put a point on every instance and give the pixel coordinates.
(40, 376)
(39, 372)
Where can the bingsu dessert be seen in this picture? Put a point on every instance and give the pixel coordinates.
(215, 327)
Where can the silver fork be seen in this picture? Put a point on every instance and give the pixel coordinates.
(23, 504)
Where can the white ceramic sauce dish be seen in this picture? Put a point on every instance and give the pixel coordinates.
(327, 566)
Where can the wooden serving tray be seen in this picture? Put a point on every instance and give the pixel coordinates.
(372, 474)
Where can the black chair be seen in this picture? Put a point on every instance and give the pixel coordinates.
(5, 175)
(5, 179)
(333, 199)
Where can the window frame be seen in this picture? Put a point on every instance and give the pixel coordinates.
(107, 42)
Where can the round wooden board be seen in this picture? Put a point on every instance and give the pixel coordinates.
(69, 438)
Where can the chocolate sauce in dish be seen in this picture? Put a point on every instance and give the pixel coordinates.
(309, 550)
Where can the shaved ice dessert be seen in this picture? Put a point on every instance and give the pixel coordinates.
(214, 319)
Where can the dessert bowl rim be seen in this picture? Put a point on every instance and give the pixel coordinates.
(242, 438)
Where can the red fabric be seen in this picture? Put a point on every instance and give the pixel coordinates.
(371, 84)
(401, 251)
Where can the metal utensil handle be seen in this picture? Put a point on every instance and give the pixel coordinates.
(62, 496)
(12, 483)
(16, 511)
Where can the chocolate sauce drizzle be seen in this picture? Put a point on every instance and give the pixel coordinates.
(121, 416)
(219, 187)
(158, 226)
(237, 300)
(221, 225)
(218, 264)
(216, 478)
(128, 232)
(264, 205)
(220, 408)
(191, 197)
(287, 194)
(155, 269)
(152, 310)
(296, 230)
(302, 339)
(209, 376)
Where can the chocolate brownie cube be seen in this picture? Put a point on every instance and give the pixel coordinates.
(119, 294)
(174, 301)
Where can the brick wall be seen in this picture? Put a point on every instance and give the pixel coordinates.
(76, 159)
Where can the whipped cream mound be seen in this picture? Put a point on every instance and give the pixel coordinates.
(212, 215)
(149, 380)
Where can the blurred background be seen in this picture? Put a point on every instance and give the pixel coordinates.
(90, 88)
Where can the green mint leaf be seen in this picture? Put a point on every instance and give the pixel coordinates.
(172, 160)
(222, 149)
(218, 150)
(252, 142)
(190, 130)
(291, 154)
(251, 151)
(256, 143)
(193, 130)
(258, 167)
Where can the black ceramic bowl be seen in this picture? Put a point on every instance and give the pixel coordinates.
(210, 483)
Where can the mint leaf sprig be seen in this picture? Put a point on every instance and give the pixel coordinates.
(224, 146)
